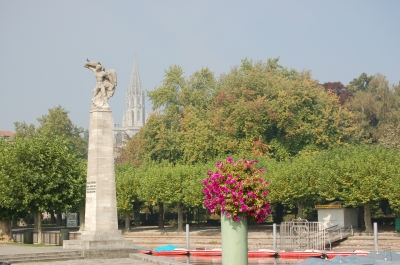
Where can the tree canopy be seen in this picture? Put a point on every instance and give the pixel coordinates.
(257, 108)
(38, 174)
(302, 132)
(57, 123)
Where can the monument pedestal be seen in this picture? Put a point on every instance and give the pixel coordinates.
(97, 244)
(101, 224)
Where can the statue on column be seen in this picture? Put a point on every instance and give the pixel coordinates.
(106, 82)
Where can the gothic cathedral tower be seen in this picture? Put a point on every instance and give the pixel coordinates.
(134, 114)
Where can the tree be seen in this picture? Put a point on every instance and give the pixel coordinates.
(57, 122)
(127, 189)
(338, 89)
(360, 84)
(163, 136)
(166, 183)
(160, 139)
(131, 152)
(152, 191)
(354, 175)
(11, 207)
(283, 111)
(39, 175)
(200, 141)
(375, 109)
(257, 108)
(293, 182)
(185, 187)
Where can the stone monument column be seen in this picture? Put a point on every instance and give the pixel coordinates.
(101, 205)
(101, 223)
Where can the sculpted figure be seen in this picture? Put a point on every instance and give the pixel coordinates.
(106, 81)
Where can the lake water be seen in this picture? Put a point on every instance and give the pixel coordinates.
(218, 260)
(389, 258)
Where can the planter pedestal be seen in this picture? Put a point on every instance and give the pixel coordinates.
(234, 241)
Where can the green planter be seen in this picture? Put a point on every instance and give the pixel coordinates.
(234, 242)
(397, 224)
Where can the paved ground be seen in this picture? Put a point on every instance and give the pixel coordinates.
(14, 248)
(9, 249)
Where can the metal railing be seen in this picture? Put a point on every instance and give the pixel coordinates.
(336, 233)
(299, 234)
(18, 237)
(30, 237)
(48, 238)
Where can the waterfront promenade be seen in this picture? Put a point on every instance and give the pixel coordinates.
(135, 259)
(208, 237)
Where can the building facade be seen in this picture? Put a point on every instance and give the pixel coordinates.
(6, 135)
(134, 116)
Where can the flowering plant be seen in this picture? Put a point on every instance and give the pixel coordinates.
(237, 190)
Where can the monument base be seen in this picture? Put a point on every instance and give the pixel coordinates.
(101, 235)
(97, 244)
(98, 240)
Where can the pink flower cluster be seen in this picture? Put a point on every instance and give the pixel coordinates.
(237, 190)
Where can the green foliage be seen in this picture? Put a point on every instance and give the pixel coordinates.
(127, 178)
(56, 122)
(358, 175)
(261, 109)
(376, 110)
(166, 135)
(168, 183)
(279, 116)
(168, 96)
(360, 84)
(267, 109)
(11, 206)
(38, 174)
(293, 181)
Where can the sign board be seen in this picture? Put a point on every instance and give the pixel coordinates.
(72, 219)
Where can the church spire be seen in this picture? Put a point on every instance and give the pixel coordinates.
(134, 111)
(135, 86)
(134, 116)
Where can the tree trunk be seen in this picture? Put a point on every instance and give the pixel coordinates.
(136, 213)
(278, 217)
(300, 210)
(151, 210)
(161, 215)
(39, 227)
(5, 231)
(198, 217)
(180, 217)
(127, 222)
(14, 223)
(52, 217)
(82, 218)
(59, 219)
(360, 219)
(367, 219)
(35, 222)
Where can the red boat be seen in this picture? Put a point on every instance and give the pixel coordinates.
(332, 254)
(299, 254)
(145, 251)
(206, 252)
(171, 252)
(218, 252)
(261, 253)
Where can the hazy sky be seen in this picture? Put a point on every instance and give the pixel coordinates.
(44, 44)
